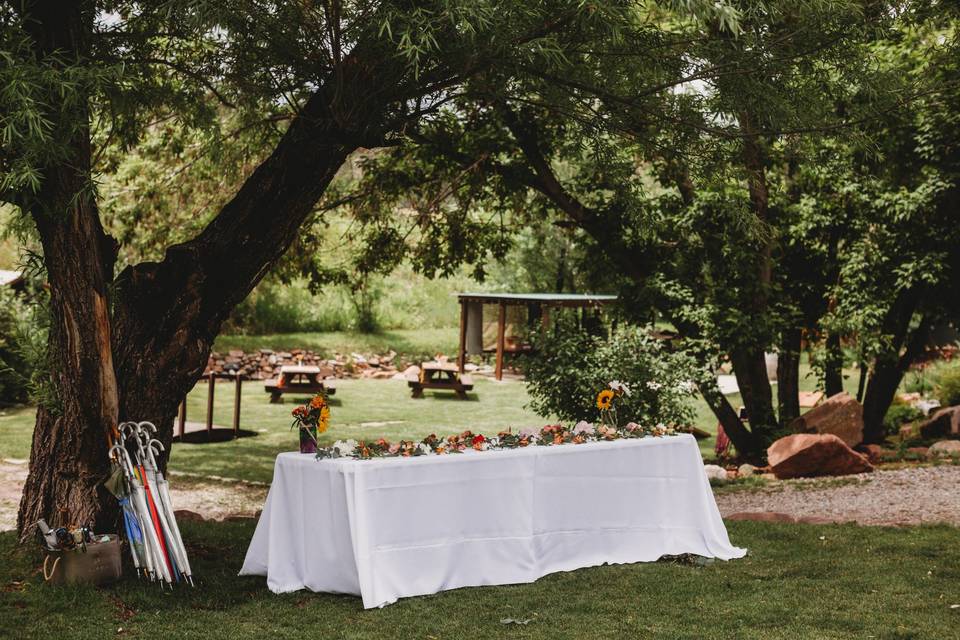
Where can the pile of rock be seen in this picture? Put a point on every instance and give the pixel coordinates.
(823, 442)
(264, 364)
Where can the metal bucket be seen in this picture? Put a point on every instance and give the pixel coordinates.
(99, 564)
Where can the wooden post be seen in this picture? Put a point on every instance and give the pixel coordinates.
(501, 327)
(211, 385)
(182, 418)
(545, 317)
(236, 407)
(462, 354)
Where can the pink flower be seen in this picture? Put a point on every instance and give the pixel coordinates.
(583, 428)
(631, 426)
(394, 448)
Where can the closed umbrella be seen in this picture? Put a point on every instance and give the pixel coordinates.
(146, 515)
(133, 521)
(163, 489)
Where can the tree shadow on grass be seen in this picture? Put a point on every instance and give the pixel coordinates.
(217, 434)
(447, 395)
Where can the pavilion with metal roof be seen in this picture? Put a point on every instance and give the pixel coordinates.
(510, 307)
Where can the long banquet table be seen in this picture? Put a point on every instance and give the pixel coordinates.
(395, 527)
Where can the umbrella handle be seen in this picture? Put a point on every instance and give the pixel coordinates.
(155, 444)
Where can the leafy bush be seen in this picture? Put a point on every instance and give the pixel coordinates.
(948, 391)
(899, 414)
(570, 366)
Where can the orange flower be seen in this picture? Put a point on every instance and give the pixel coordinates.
(318, 402)
(558, 439)
(605, 399)
(578, 439)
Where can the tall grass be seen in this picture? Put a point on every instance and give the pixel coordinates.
(402, 300)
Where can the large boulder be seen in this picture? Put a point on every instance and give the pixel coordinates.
(840, 415)
(948, 448)
(943, 422)
(715, 472)
(806, 455)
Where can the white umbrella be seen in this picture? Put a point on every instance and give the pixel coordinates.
(141, 504)
(165, 506)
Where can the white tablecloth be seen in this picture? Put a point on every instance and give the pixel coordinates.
(395, 527)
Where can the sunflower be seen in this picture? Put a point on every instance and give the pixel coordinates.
(605, 399)
(324, 420)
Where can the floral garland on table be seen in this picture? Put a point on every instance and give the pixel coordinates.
(550, 435)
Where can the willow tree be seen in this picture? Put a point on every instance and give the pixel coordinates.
(322, 80)
(667, 165)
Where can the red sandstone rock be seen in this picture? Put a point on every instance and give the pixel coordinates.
(840, 415)
(761, 516)
(809, 455)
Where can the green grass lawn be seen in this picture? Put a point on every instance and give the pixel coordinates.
(361, 409)
(799, 582)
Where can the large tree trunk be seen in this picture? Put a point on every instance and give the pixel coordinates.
(750, 367)
(747, 444)
(788, 376)
(885, 379)
(167, 314)
(749, 360)
(833, 365)
(68, 459)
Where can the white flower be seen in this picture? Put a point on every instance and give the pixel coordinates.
(686, 386)
(424, 448)
(653, 385)
(620, 387)
(583, 427)
(344, 447)
(528, 433)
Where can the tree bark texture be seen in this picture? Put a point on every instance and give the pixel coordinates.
(135, 356)
(887, 373)
(68, 458)
(833, 365)
(788, 376)
(750, 368)
(747, 444)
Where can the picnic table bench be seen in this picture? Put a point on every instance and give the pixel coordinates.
(298, 379)
(442, 376)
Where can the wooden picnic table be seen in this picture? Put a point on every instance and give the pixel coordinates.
(442, 376)
(298, 379)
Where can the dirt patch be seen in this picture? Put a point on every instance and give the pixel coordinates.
(213, 499)
(914, 495)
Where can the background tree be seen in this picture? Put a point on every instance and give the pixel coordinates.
(669, 166)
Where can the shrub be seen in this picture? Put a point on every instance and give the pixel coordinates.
(570, 366)
(899, 414)
(948, 389)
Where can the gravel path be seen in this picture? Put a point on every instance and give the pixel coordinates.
(915, 495)
(211, 499)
